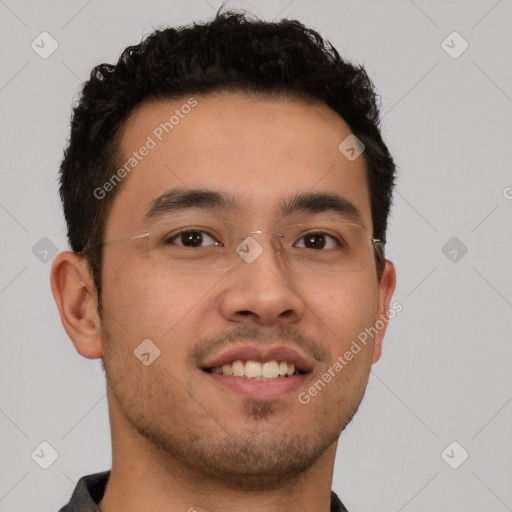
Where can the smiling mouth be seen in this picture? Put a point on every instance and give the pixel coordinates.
(256, 370)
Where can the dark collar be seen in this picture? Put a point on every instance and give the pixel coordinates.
(90, 490)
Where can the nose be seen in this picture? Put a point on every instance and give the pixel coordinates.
(259, 289)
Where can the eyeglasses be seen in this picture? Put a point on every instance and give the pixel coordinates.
(213, 244)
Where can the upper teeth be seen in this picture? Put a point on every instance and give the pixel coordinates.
(255, 369)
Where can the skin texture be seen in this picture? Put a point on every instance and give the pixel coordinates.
(178, 440)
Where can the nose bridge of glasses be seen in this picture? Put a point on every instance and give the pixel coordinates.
(253, 243)
(272, 237)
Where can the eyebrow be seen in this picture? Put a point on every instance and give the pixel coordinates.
(179, 199)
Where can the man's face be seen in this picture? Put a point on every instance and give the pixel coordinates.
(261, 153)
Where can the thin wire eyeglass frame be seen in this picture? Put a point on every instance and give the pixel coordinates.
(376, 243)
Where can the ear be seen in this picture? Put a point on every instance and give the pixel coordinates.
(386, 288)
(75, 294)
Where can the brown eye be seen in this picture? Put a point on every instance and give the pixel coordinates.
(193, 239)
(317, 241)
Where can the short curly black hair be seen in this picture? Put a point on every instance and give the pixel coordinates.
(232, 52)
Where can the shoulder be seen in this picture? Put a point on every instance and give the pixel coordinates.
(88, 492)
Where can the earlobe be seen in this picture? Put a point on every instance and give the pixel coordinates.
(75, 295)
(387, 286)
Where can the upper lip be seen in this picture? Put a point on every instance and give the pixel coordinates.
(261, 354)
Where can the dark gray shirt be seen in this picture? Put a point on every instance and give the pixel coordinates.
(90, 489)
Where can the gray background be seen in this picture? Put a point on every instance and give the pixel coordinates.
(445, 373)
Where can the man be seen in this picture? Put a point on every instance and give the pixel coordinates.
(226, 190)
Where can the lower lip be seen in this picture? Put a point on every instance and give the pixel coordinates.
(260, 389)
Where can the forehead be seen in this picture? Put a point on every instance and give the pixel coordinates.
(258, 150)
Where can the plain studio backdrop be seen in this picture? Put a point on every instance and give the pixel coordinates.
(434, 429)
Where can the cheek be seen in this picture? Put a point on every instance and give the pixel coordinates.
(151, 304)
(343, 314)
(343, 308)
